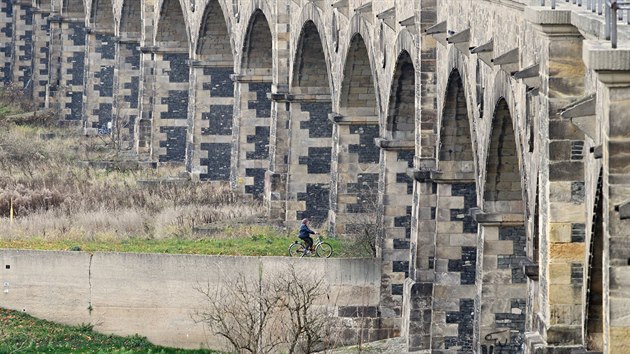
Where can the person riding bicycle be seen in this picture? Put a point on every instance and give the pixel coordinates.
(305, 233)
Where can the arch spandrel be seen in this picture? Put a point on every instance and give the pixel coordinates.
(311, 15)
(359, 27)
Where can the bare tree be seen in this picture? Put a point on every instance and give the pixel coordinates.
(262, 314)
(307, 325)
(242, 312)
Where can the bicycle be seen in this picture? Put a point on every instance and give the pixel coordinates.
(322, 249)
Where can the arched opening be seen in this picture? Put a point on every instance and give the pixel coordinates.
(357, 93)
(355, 156)
(127, 75)
(100, 60)
(503, 192)
(505, 227)
(73, 8)
(310, 152)
(310, 70)
(171, 27)
(214, 38)
(401, 115)
(455, 141)
(170, 103)
(257, 58)
(102, 16)
(253, 121)
(213, 92)
(131, 20)
(71, 66)
(456, 191)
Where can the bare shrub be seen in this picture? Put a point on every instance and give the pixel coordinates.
(15, 96)
(365, 229)
(257, 314)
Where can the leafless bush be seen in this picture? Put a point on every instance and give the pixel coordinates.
(365, 228)
(13, 95)
(259, 315)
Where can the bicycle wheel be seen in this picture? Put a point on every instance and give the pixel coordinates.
(324, 250)
(296, 250)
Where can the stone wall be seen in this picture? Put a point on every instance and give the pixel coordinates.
(155, 295)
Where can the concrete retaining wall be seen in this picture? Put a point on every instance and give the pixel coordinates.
(154, 294)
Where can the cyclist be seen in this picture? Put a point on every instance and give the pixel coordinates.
(305, 233)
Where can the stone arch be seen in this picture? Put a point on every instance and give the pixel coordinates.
(359, 39)
(456, 193)
(214, 42)
(171, 27)
(257, 46)
(73, 8)
(252, 118)
(308, 66)
(310, 130)
(130, 20)
(503, 192)
(400, 124)
(503, 221)
(311, 45)
(102, 15)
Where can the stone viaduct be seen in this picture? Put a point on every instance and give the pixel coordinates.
(493, 134)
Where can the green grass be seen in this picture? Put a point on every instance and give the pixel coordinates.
(21, 333)
(263, 245)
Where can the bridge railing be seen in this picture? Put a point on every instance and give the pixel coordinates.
(613, 11)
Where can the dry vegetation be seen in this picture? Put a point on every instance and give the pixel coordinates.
(46, 175)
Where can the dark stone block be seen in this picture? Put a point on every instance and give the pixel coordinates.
(179, 67)
(217, 162)
(221, 84)
(401, 244)
(177, 103)
(318, 124)
(578, 232)
(366, 149)
(397, 289)
(262, 104)
(257, 189)
(175, 144)
(105, 87)
(261, 144)
(317, 199)
(400, 266)
(220, 117)
(318, 160)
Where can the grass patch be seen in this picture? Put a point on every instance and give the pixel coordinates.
(22, 333)
(247, 244)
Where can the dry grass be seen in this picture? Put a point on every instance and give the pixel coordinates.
(56, 195)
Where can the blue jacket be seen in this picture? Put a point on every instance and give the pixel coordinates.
(305, 231)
